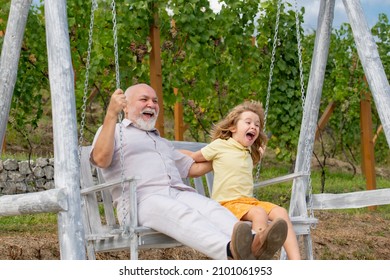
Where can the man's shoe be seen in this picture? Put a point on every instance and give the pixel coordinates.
(267, 242)
(241, 243)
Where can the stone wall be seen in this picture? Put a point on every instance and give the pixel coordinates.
(18, 177)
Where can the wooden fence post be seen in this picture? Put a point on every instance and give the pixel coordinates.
(324, 119)
(367, 144)
(155, 70)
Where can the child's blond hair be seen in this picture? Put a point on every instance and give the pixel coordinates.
(222, 130)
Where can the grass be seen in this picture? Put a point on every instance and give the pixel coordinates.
(44, 222)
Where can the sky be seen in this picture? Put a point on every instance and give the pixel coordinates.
(371, 8)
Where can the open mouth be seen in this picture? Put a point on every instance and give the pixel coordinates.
(148, 114)
(250, 136)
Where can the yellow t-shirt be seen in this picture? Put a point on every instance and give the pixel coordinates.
(233, 165)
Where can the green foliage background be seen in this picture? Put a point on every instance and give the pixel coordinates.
(211, 59)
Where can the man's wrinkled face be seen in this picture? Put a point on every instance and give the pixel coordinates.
(143, 107)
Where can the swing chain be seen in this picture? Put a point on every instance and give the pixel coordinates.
(299, 41)
(86, 81)
(120, 118)
(271, 69)
(114, 28)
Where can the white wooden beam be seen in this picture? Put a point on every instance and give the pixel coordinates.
(312, 106)
(66, 159)
(280, 179)
(50, 201)
(10, 55)
(359, 199)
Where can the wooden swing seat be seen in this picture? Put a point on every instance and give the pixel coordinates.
(102, 230)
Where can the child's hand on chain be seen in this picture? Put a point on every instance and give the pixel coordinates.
(262, 150)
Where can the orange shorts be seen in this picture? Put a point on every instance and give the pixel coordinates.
(240, 206)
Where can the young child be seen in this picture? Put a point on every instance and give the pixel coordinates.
(238, 142)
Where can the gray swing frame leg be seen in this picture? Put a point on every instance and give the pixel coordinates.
(91, 252)
(133, 246)
(308, 246)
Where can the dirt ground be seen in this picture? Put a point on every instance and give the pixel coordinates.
(337, 236)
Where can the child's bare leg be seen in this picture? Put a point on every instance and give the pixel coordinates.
(268, 239)
(291, 244)
(258, 217)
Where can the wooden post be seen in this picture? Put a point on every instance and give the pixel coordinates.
(66, 162)
(324, 119)
(178, 113)
(155, 70)
(377, 134)
(367, 144)
(10, 55)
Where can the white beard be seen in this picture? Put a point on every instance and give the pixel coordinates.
(145, 125)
